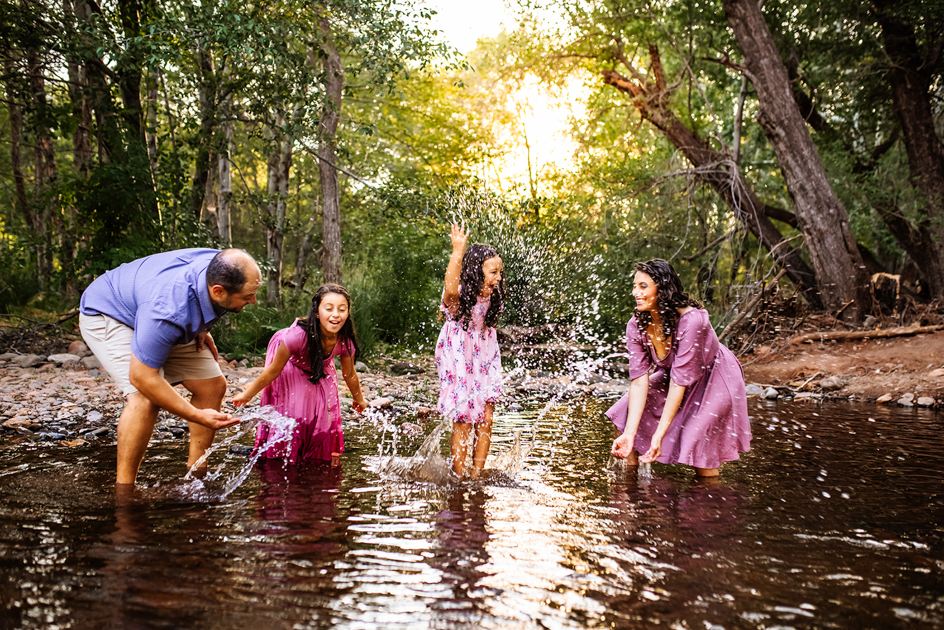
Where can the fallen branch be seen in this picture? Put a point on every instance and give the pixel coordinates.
(865, 334)
(757, 298)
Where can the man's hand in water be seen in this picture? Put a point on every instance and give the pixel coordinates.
(214, 419)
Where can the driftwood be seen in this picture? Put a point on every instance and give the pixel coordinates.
(750, 307)
(865, 334)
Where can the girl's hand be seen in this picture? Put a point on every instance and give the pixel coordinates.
(359, 405)
(241, 399)
(623, 446)
(655, 450)
(459, 237)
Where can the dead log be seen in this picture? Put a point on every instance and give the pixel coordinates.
(865, 334)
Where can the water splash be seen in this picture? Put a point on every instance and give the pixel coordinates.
(220, 482)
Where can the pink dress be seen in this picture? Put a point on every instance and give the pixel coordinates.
(711, 425)
(469, 365)
(316, 406)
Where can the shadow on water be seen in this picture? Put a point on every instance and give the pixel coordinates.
(833, 520)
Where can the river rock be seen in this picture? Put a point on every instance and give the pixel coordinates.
(94, 415)
(884, 398)
(91, 362)
(381, 403)
(424, 413)
(64, 358)
(9, 356)
(30, 360)
(925, 401)
(18, 422)
(405, 367)
(754, 390)
(411, 429)
(771, 394)
(361, 367)
(907, 400)
(831, 383)
(79, 348)
(908, 397)
(938, 373)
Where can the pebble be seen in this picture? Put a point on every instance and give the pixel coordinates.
(771, 394)
(925, 401)
(884, 398)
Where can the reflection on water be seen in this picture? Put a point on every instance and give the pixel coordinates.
(832, 520)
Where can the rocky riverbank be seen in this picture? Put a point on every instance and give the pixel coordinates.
(63, 398)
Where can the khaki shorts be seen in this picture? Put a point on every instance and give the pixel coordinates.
(110, 342)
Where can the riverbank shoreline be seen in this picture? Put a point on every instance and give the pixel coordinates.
(65, 399)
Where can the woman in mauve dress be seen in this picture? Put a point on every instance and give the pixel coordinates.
(686, 403)
(310, 394)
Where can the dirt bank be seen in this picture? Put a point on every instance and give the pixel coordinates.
(864, 369)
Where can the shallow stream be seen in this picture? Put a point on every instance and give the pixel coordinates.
(835, 519)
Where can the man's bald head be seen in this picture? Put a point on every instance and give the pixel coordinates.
(231, 269)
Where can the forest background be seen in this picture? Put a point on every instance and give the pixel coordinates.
(337, 140)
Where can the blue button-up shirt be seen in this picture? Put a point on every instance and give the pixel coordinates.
(163, 297)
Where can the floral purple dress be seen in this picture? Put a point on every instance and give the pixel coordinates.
(712, 425)
(469, 365)
(316, 406)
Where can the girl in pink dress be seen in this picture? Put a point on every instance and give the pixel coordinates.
(301, 382)
(467, 355)
(686, 402)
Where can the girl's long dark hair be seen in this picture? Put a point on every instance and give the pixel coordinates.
(312, 328)
(670, 296)
(471, 279)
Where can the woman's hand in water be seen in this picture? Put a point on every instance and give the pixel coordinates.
(655, 450)
(459, 237)
(622, 446)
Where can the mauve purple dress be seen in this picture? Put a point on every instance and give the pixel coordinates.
(316, 406)
(712, 425)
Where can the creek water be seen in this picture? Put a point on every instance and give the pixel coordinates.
(835, 519)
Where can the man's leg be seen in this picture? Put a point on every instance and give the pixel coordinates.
(207, 394)
(134, 432)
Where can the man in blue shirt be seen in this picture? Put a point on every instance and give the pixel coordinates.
(148, 323)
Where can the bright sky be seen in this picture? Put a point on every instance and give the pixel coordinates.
(463, 22)
(544, 117)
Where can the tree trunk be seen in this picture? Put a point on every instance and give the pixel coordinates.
(206, 93)
(45, 173)
(910, 83)
(280, 161)
(717, 170)
(225, 188)
(841, 274)
(16, 134)
(328, 174)
(81, 111)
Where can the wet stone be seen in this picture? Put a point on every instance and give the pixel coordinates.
(925, 401)
(771, 394)
(754, 390)
(884, 398)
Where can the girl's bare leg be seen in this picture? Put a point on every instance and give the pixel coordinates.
(707, 472)
(461, 439)
(483, 442)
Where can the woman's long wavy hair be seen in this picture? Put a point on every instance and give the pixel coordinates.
(471, 280)
(312, 328)
(670, 296)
